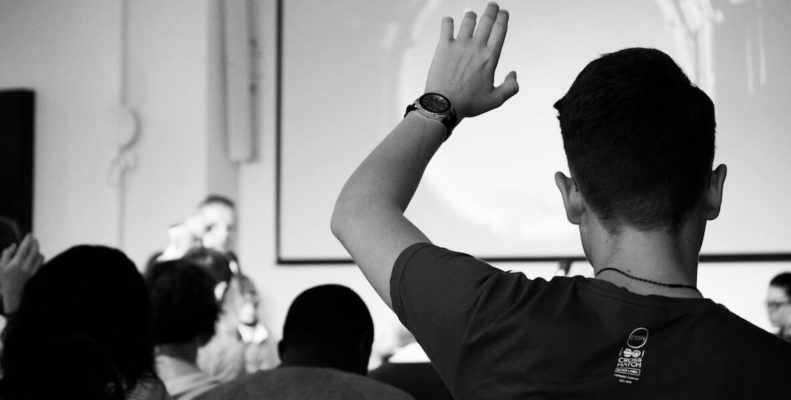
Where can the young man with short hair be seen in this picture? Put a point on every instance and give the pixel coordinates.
(639, 138)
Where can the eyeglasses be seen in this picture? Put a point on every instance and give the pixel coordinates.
(774, 305)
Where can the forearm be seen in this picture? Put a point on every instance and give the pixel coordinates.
(368, 217)
(371, 203)
(388, 177)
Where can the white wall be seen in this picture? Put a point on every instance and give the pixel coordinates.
(73, 55)
(74, 68)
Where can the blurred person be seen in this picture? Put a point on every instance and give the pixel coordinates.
(639, 138)
(327, 338)
(219, 216)
(778, 304)
(239, 345)
(212, 227)
(89, 301)
(184, 311)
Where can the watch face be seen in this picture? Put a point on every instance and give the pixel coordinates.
(435, 103)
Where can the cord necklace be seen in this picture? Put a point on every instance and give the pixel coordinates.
(669, 285)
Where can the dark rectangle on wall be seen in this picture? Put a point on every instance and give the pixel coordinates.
(17, 123)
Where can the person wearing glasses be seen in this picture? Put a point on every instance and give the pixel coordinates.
(778, 304)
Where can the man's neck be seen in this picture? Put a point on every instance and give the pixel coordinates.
(649, 262)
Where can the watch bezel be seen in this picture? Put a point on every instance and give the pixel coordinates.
(429, 100)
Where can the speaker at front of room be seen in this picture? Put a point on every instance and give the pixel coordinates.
(16, 156)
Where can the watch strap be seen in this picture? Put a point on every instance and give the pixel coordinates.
(449, 119)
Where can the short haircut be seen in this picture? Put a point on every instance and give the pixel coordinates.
(325, 315)
(639, 138)
(783, 281)
(217, 264)
(92, 292)
(217, 199)
(183, 306)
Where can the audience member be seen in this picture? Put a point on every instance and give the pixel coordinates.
(184, 311)
(410, 370)
(217, 265)
(326, 344)
(239, 345)
(778, 304)
(639, 139)
(89, 304)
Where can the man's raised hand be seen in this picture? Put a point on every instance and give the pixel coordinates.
(463, 67)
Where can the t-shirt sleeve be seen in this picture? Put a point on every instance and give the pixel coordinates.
(444, 298)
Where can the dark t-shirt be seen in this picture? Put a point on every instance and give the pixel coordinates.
(499, 335)
(419, 379)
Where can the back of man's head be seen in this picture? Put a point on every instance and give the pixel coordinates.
(639, 138)
(328, 326)
(782, 281)
(217, 264)
(183, 305)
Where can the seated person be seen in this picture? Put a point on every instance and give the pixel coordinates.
(327, 338)
(184, 310)
(778, 304)
(239, 344)
(88, 300)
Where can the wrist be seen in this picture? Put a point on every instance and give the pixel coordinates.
(437, 107)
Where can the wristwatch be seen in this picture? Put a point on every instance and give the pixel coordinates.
(437, 107)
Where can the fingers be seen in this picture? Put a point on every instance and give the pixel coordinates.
(24, 248)
(499, 29)
(467, 26)
(508, 88)
(31, 257)
(486, 22)
(8, 253)
(446, 30)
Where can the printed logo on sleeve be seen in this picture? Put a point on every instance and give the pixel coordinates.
(630, 358)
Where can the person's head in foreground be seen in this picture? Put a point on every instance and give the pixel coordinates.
(81, 329)
(328, 326)
(184, 308)
(217, 264)
(778, 304)
(639, 138)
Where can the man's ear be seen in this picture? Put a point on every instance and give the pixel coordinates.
(713, 199)
(572, 198)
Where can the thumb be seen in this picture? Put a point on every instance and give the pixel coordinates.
(508, 88)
